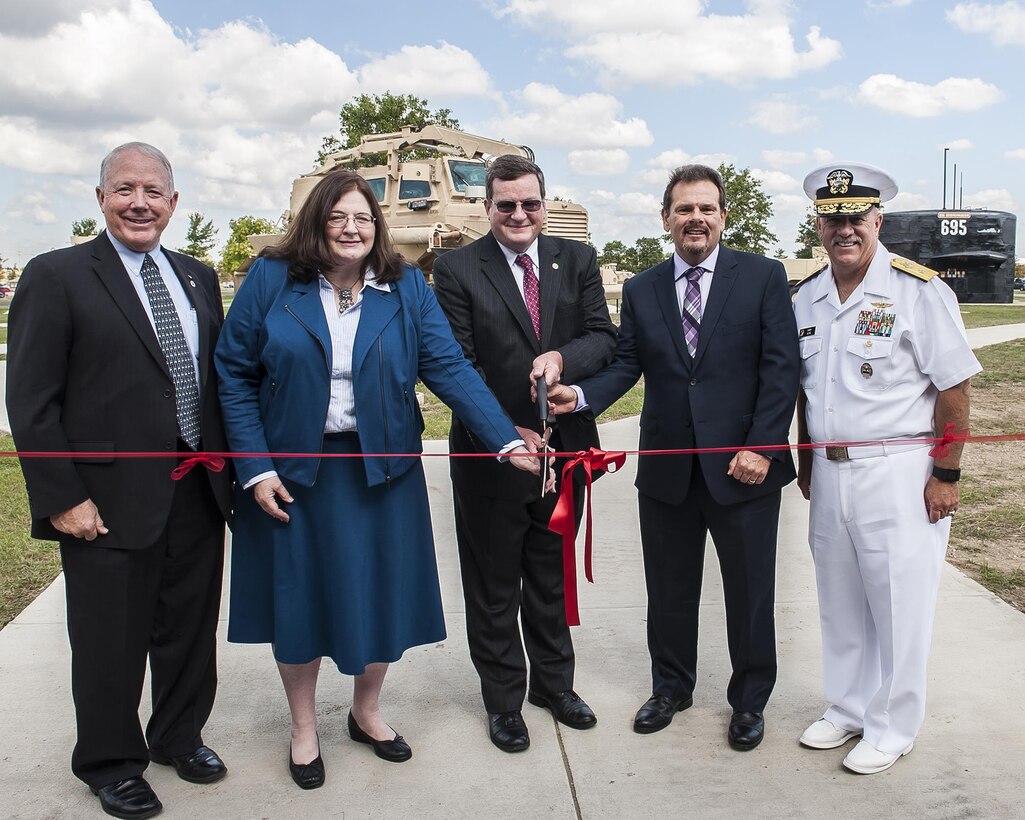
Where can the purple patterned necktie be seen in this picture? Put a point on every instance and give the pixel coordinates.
(531, 292)
(692, 309)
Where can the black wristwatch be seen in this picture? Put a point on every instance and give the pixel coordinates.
(950, 476)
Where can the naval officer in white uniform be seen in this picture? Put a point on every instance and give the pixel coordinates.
(884, 357)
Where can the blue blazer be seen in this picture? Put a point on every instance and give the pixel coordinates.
(274, 363)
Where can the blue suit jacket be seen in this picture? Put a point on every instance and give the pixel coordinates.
(274, 361)
(738, 391)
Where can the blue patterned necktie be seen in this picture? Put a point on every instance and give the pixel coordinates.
(176, 351)
(692, 309)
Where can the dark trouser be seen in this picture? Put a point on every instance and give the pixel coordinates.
(673, 542)
(512, 565)
(161, 601)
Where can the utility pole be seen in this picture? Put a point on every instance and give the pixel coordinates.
(945, 178)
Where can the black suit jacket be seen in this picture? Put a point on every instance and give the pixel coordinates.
(86, 374)
(738, 391)
(489, 318)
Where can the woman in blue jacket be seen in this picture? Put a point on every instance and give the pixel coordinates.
(333, 555)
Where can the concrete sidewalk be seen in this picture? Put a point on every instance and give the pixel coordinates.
(967, 761)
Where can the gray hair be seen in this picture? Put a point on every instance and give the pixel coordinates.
(140, 148)
(509, 167)
(693, 173)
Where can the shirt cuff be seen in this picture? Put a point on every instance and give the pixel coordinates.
(256, 479)
(512, 445)
(581, 401)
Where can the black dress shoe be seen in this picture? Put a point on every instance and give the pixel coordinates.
(508, 731)
(658, 712)
(394, 751)
(567, 707)
(200, 766)
(307, 775)
(131, 798)
(746, 730)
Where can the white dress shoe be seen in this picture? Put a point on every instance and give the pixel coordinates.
(867, 759)
(824, 734)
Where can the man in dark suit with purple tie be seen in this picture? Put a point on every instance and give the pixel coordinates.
(712, 331)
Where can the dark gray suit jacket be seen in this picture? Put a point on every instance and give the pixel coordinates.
(489, 318)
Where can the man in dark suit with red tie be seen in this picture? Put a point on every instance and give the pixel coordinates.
(517, 301)
(713, 333)
(110, 351)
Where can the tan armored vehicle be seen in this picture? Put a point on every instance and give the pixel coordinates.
(434, 204)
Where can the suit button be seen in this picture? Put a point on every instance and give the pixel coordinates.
(168, 445)
(693, 382)
(167, 394)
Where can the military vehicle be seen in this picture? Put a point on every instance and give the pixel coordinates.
(972, 250)
(435, 203)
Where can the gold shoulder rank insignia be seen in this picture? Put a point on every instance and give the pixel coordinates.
(796, 286)
(916, 270)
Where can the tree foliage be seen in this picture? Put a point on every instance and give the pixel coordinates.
(237, 249)
(646, 252)
(200, 238)
(750, 209)
(382, 114)
(84, 227)
(807, 237)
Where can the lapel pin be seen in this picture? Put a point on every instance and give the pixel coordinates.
(555, 265)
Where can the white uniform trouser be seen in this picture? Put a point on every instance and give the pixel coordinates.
(877, 565)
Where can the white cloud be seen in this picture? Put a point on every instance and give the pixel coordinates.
(674, 42)
(623, 216)
(822, 155)
(889, 4)
(781, 117)
(914, 99)
(1016, 153)
(40, 16)
(784, 159)
(549, 117)
(662, 165)
(993, 199)
(39, 208)
(907, 201)
(1003, 22)
(775, 182)
(962, 144)
(599, 162)
(426, 71)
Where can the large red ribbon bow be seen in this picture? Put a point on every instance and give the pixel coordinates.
(213, 463)
(562, 520)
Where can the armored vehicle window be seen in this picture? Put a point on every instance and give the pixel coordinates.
(377, 186)
(466, 173)
(414, 189)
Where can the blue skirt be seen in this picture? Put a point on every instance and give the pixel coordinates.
(352, 576)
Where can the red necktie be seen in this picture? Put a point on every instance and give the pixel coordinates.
(531, 292)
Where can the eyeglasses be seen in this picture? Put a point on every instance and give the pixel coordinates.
(530, 206)
(126, 192)
(339, 220)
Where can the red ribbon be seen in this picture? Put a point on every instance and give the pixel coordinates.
(950, 435)
(562, 520)
(213, 463)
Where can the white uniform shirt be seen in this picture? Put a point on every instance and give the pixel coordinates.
(871, 367)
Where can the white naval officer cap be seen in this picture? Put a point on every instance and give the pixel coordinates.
(848, 188)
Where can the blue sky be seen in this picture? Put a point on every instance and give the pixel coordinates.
(610, 95)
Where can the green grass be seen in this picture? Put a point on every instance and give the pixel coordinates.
(997, 580)
(991, 315)
(1002, 364)
(27, 566)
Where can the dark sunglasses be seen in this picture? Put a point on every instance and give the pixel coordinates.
(530, 206)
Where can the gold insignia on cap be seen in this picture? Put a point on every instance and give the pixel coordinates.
(839, 181)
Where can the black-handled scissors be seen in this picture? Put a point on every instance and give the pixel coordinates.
(546, 429)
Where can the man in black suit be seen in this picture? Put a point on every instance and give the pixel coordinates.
(110, 351)
(712, 331)
(519, 301)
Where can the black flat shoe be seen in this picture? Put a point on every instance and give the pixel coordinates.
(508, 731)
(199, 766)
(131, 798)
(567, 707)
(658, 712)
(746, 730)
(307, 775)
(394, 751)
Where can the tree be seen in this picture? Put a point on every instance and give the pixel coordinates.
(650, 251)
(750, 209)
(615, 252)
(807, 237)
(645, 253)
(83, 227)
(237, 249)
(381, 114)
(200, 238)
